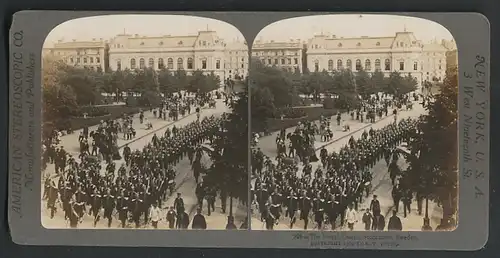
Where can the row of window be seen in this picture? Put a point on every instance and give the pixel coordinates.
(161, 64)
(85, 60)
(282, 61)
(367, 67)
(276, 53)
(401, 44)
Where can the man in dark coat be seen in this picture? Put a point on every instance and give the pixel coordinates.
(375, 206)
(183, 221)
(171, 215)
(199, 221)
(367, 219)
(394, 223)
(378, 222)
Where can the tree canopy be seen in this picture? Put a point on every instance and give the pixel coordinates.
(230, 160)
(432, 149)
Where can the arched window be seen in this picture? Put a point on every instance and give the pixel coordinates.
(282, 61)
(368, 65)
(170, 63)
(387, 64)
(339, 65)
(142, 63)
(316, 66)
(118, 64)
(161, 64)
(180, 63)
(349, 64)
(358, 64)
(377, 64)
(330, 65)
(190, 63)
(204, 64)
(132, 63)
(217, 64)
(151, 62)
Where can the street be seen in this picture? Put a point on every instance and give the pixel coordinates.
(381, 184)
(185, 182)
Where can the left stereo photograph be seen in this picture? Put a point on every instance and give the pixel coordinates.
(143, 123)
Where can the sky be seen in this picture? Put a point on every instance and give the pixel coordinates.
(108, 26)
(304, 28)
(353, 25)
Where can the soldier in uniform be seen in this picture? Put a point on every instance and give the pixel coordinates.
(109, 205)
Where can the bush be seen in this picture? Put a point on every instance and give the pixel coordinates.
(149, 99)
(290, 113)
(132, 101)
(94, 112)
(329, 103)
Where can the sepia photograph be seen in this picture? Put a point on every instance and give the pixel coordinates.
(354, 124)
(145, 124)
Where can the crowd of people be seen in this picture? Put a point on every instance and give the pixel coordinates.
(132, 190)
(343, 180)
(138, 188)
(336, 187)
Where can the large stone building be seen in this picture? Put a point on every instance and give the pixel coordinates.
(286, 55)
(401, 52)
(89, 54)
(236, 60)
(451, 54)
(204, 51)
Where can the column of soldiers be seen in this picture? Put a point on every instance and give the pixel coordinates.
(343, 180)
(140, 185)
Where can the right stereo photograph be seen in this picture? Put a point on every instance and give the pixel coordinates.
(354, 124)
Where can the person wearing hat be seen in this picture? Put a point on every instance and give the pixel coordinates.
(375, 206)
(171, 215)
(199, 221)
(394, 222)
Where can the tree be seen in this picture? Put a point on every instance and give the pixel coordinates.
(432, 150)
(181, 81)
(86, 84)
(59, 101)
(167, 82)
(409, 84)
(229, 163)
(145, 80)
(379, 81)
(442, 132)
(344, 87)
(398, 85)
(277, 81)
(211, 82)
(364, 84)
(262, 107)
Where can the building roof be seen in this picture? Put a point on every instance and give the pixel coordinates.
(259, 44)
(78, 44)
(434, 47)
(364, 42)
(170, 41)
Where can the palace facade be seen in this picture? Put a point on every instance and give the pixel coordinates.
(286, 55)
(401, 52)
(85, 54)
(236, 60)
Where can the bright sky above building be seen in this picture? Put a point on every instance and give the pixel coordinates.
(353, 25)
(350, 25)
(108, 26)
